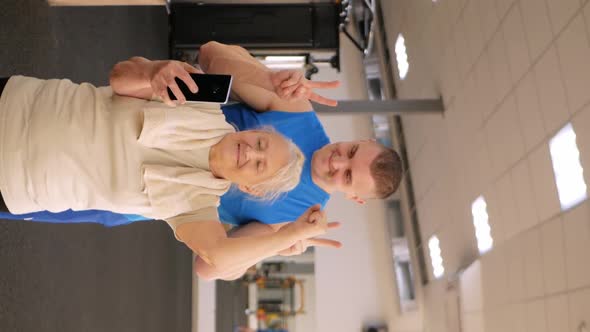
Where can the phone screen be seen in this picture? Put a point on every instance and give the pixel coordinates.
(212, 88)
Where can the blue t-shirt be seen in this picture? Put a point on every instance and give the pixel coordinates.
(305, 130)
(236, 207)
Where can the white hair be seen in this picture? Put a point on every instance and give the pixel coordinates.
(286, 178)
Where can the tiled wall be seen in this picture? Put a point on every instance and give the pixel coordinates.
(511, 73)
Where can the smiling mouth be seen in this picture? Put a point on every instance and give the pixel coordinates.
(238, 157)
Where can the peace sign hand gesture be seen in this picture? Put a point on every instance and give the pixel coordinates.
(301, 246)
(292, 84)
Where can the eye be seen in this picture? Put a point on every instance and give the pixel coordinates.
(259, 166)
(352, 151)
(348, 177)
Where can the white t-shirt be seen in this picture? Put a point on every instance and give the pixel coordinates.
(75, 146)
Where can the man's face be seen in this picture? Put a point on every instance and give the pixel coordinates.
(345, 167)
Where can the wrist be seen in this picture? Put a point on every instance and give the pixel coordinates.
(290, 235)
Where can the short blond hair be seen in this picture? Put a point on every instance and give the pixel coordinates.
(286, 178)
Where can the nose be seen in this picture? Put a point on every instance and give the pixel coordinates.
(254, 154)
(339, 162)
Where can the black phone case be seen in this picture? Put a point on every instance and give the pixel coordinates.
(212, 88)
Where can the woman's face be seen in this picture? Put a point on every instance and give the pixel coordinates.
(249, 157)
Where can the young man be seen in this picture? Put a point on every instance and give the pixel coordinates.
(360, 169)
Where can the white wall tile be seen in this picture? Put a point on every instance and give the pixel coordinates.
(518, 52)
(489, 18)
(449, 72)
(552, 240)
(517, 317)
(552, 97)
(515, 261)
(533, 264)
(472, 322)
(499, 66)
(579, 309)
(444, 26)
(422, 170)
(492, 319)
(525, 200)
(560, 12)
(494, 278)
(537, 26)
(574, 52)
(504, 137)
(485, 86)
(471, 288)
(454, 8)
(483, 163)
(503, 6)
(556, 308)
(544, 187)
(507, 206)
(462, 48)
(529, 112)
(576, 224)
(535, 316)
(468, 104)
(474, 33)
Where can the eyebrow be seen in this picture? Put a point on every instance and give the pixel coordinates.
(355, 149)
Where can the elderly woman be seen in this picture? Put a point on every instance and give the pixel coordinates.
(75, 146)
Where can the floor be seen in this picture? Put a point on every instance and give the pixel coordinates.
(512, 73)
(87, 277)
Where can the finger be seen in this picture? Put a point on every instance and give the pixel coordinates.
(288, 92)
(188, 80)
(280, 76)
(322, 100)
(191, 69)
(301, 91)
(311, 210)
(323, 84)
(319, 242)
(294, 78)
(334, 224)
(314, 217)
(177, 93)
(166, 98)
(299, 248)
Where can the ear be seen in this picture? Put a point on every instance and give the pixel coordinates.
(355, 198)
(249, 191)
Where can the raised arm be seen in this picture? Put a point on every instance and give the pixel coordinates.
(226, 257)
(257, 85)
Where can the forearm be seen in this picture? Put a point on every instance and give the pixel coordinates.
(217, 58)
(132, 78)
(251, 229)
(228, 256)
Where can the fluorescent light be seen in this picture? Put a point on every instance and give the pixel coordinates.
(284, 65)
(435, 257)
(284, 58)
(481, 224)
(401, 56)
(568, 171)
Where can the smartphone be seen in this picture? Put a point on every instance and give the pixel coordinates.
(212, 88)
